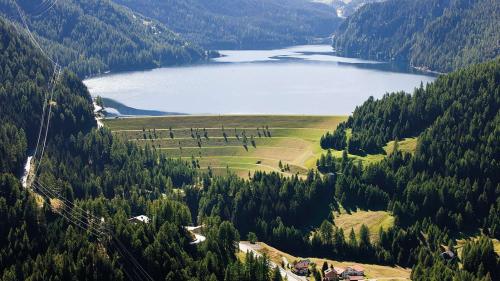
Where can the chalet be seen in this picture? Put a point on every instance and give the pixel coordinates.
(355, 270)
(350, 273)
(301, 267)
(339, 271)
(140, 219)
(330, 275)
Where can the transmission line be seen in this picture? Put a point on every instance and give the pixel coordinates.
(106, 232)
(78, 219)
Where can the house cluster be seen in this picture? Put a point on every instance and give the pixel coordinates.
(350, 273)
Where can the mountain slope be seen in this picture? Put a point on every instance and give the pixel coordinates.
(456, 119)
(346, 8)
(224, 24)
(440, 35)
(25, 74)
(94, 36)
(72, 222)
(449, 188)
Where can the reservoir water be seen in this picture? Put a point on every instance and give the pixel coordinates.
(297, 80)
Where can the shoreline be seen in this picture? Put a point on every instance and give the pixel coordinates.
(227, 115)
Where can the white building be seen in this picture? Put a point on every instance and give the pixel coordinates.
(141, 218)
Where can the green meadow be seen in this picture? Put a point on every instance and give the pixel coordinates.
(241, 143)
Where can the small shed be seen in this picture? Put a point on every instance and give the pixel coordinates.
(448, 255)
(140, 219)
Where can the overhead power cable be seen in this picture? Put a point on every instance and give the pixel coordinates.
(44, 7)
(47, 126)
(30, 34)
(43, 111)
(69, 211)
(106, 232)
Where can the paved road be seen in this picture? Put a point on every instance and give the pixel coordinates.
(247, 247)
(195, 230)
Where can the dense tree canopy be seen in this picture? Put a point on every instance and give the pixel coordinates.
(440, 35)
(401, 115)
(237, 24)
(94, 36)
(450, 186)
(73, 222)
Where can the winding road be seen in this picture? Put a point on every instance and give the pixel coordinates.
(247, 247)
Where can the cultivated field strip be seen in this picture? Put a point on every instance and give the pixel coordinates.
(242, 143)
(235, 121)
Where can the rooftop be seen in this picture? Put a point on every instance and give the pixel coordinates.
(141, 218)
(358, 267)
(339, 270)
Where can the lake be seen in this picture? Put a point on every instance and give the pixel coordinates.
(297, 80)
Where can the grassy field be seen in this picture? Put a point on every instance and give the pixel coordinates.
(372, 271)
(461, 242)
(218, 142)
(372, 219)
(293, 140)
(496, 244)
(408, 145)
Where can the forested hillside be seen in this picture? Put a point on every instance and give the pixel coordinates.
(23, 88)
(72, 223)
(440, 35)
(94, 36)
(230, 24)
(450, 187)
(346, 8)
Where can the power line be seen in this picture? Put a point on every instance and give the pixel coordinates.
(40, 6)
(122, 249)
(78, 219)
(143, 271)
(48, 5)
(68, 215)
(85, 226)
(71, 218)
(30, 34)
(70, 205)
(37, 166)
(142, 274)
(43, 112)
(51, 86)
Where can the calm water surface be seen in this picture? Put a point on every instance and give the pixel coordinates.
(297, 80)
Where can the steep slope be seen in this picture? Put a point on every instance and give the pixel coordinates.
(447, 188)
(25, 74)
(440, 35)
(72, 223)
(346, 8)
(94, 36)
(456, 119)
(239, 24)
